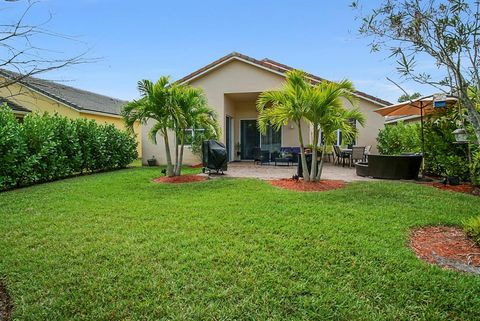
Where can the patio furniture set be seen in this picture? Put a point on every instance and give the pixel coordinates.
(285, 157)
(352, 154)
(290, 155)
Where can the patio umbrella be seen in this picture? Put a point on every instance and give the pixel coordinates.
(421, 106)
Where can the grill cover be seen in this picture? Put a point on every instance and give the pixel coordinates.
(214, 155)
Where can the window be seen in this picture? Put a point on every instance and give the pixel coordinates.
(190, 136)
(272, 140)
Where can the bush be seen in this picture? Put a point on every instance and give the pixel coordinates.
(442, 155)
(398, 139)
(475, 168)
(45, 147)
(472, 228)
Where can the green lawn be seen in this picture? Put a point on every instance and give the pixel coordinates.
(116, 246)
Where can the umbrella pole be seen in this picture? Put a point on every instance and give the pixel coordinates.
(423, 140)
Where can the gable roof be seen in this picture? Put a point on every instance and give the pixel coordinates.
(78, 99)
(15, 107)
(272, 66)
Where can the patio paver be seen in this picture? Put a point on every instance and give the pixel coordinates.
(268, 172)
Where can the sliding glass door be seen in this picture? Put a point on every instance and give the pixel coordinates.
(272, 140)
(249, 138)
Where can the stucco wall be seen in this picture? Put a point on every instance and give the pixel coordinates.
(224, 87)
(36, 102)
(367, 135)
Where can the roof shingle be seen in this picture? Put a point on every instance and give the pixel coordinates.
(276, 67)
(78, 99)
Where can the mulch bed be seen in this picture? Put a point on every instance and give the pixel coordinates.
(462, 188)
(447, 247)
(300, 185)
(180, 179)
(5, 303)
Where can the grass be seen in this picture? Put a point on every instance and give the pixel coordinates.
(117, 246)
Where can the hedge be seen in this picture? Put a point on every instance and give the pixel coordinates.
(46, 147)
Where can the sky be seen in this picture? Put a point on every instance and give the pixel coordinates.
(134, 40)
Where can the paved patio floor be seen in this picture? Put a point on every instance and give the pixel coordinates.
(267, 172)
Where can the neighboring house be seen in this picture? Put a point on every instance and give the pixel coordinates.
(232, 85)
(32, 94)
(405, 119)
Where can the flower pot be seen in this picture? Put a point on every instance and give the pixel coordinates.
(152, 162)
(453, 180)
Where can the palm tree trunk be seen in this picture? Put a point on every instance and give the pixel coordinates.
(306, 176)
(313, 170)
(320, 168)
(176, 154)
(170, 171)
(178, 171)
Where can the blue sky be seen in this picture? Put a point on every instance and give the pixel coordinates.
(146, 39)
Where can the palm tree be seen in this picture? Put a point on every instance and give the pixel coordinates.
(325, 111)
(196, 115)
(320, 105)
(279, 107)
(157, 103)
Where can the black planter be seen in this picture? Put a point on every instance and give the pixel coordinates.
(394, 167)
(453, 180)
(308, 158)
(361, 169)
(152, 162)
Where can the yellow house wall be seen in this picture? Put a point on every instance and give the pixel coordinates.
(37, 102)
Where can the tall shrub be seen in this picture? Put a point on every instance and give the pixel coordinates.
(442, 155)
(47, 147)
(399, 138)
(13, 149)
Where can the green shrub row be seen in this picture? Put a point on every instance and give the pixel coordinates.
(47, 147)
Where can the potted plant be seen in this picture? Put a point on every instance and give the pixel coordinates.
(452, 170)
(152, 161)
(238, 147)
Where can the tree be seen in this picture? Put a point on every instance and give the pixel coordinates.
(174, 108)
(325, 111)
(319, 105)
(407, 97)
(279, 107)
(196, 116)
(447, 32)
(157, 103)
(21, 43)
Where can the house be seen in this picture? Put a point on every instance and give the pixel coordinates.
(30, 94)
(232, 85)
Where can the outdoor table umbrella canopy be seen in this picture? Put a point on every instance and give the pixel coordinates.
(416, 107)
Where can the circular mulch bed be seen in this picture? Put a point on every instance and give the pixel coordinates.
(447, 247)
(462, 188)
(5, 303)
(181, 179)
(300, 185)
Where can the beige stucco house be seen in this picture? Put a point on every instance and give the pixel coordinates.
(232, 85)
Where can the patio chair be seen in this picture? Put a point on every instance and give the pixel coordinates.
(340, 155)
(358, 153)
(366, 152)
(260, 156)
